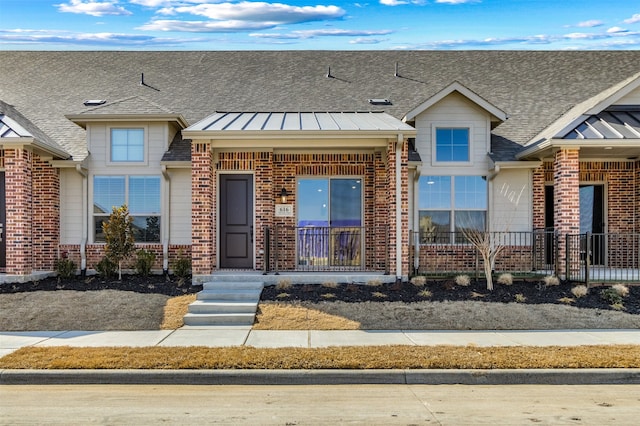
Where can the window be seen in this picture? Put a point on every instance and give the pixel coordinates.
(127, 145)
(451, 204)
(142, 196)
(452, 144)
(329, 221)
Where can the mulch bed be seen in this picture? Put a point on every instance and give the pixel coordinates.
(157, 284)
(531, 291)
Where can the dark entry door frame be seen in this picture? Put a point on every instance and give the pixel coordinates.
(236, 220)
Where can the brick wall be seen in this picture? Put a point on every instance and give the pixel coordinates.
(18, 229)
(46, 214)
(95, 253)
(203, 209)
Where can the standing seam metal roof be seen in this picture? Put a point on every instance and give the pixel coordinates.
(300, 121)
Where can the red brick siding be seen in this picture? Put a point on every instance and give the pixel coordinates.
(46, 214)
(538, 184)
(203, 209)
(19, 226)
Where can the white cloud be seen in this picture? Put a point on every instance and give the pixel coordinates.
(614, 30)
(307, 34)
(393, 2)
(457, 1)
(38, 37)
(259, 12)
(590, 24)
(633, 20)
(229, 26)
(238, 17)
(362, 40)
(93, 8)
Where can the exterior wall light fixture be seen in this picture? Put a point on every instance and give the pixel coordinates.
(283, 195)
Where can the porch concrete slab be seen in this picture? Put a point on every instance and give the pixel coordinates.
(207, 336)
(107, 338)
(323, 339)
(278, 338)
(18, 339)
(458, 338)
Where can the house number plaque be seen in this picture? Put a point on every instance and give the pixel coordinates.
(284, 210)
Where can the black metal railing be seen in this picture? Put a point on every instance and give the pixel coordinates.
(602, 257)
(447, 253)
(323, 249)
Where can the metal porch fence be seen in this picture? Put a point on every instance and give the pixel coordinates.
(602, 257)
(448, 253)
(326, 249)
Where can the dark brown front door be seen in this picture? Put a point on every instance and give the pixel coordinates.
(3, 225)
(236, 221)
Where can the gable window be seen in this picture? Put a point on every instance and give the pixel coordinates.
(142, 196)
(127, 145)
(450, 204)
(452, 144)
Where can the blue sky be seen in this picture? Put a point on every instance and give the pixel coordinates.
(318, 24)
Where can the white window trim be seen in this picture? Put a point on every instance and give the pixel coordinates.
(451, 125)
(145, 154)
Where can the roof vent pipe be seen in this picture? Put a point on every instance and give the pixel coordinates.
(395, 74)
(329, 72)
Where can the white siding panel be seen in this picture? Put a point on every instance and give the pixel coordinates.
(511, 201)
(180, 206)
(456, 111)
(632, 98)
(70, 207)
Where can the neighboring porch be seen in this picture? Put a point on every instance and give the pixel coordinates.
(590, 258)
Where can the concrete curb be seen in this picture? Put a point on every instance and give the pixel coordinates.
(323, 377)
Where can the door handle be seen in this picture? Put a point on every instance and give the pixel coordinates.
(251, 233)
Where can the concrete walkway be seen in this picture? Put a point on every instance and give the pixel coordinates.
(222, 336)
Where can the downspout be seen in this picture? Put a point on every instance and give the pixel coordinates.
(165, 223)
(85, 213)
(398, 165)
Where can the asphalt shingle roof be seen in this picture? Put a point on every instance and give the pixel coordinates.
(534, 88)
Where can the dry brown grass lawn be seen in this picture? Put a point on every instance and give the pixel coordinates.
(175, 310)
(284, 316)
(368, 357)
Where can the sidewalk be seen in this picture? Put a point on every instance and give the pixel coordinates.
(245, 336)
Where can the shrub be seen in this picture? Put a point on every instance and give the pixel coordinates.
(463, 280)
(580, 291)
(182, 266)
(283, 295)
(284, 284)
(419, 281)
(144, 262)
(328, 296)
(505, 279)
(611, 296)
(551, 280)
(379, 295)
(566, 300)
(106, 268)
(621, 289)
(65, 268)
(520, 298)
(425, 293)
(330, 284)
(374, 283)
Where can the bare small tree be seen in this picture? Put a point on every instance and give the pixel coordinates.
(118, 234)
(489, 242)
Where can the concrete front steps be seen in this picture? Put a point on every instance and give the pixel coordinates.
(225, 303)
